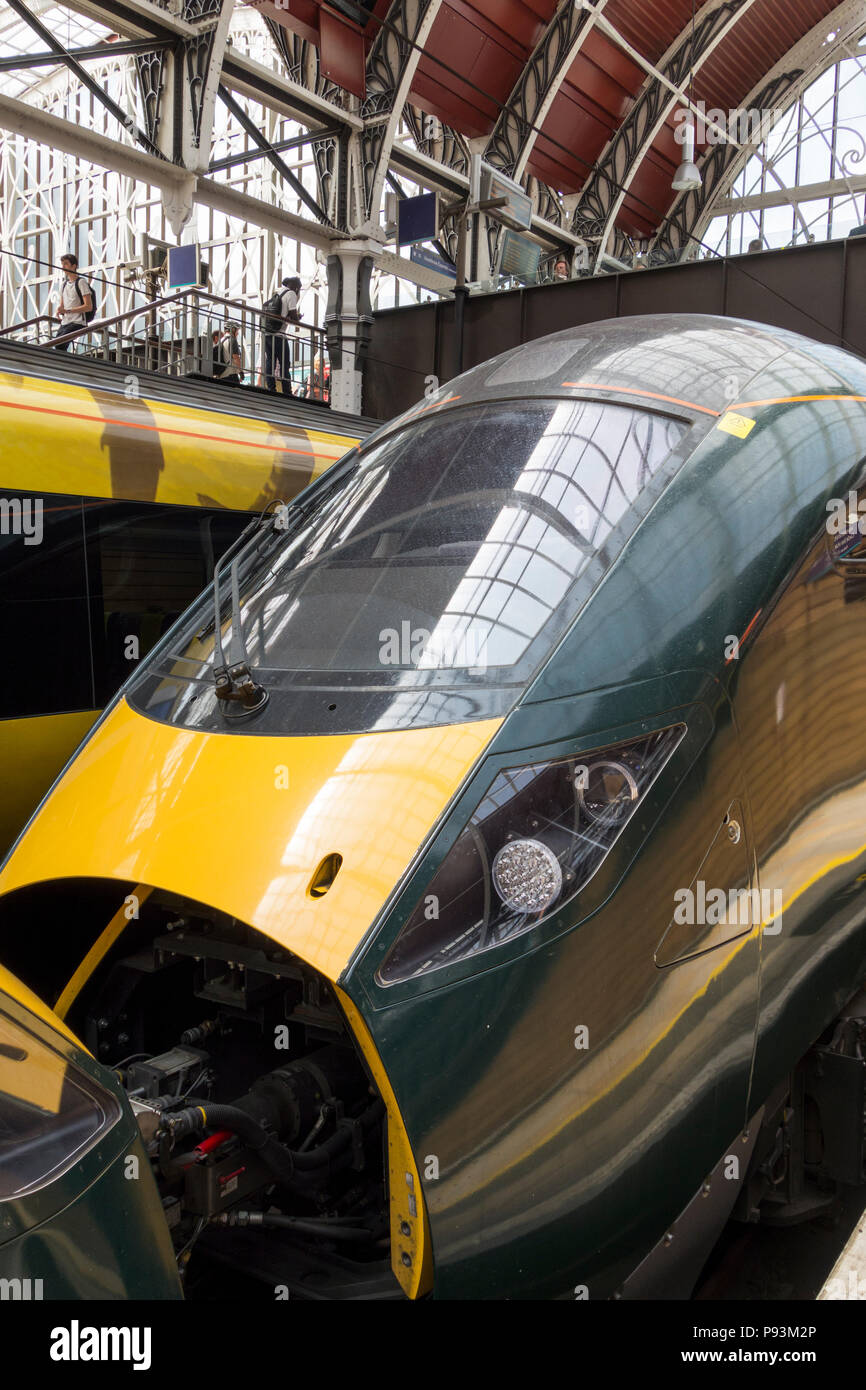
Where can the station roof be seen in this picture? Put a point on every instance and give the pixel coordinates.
(16, 37)
(480, 55)
(569, 80)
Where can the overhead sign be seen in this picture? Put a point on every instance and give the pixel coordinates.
(430, 258)
(154, 253)
(517, 211)
(520, 257)
(184, 266)
(417, 219)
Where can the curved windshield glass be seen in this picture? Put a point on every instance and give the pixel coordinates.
(447, 555)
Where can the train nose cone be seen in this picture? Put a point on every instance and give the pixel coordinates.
(253, 826)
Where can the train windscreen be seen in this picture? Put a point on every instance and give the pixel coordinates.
(447, 557)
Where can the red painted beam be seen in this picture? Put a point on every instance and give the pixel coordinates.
(300, 16)
(342, 52)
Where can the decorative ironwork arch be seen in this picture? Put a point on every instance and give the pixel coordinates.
(690, 213)
(605, 189)
(522, 117)
(391, 66)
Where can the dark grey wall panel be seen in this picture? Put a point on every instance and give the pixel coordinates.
(402, 353)
(800, 289)
(854, 321)
(446, 360)
(680, 289)
(491, 318)
(817, 290)
(550, 308)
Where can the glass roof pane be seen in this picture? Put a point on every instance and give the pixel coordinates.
(807, 147)
(16, 37)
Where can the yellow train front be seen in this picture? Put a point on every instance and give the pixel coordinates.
(441, 888)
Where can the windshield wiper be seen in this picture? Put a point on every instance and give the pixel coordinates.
(233, 678)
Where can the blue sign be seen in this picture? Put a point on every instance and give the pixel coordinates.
(431, 260)
(417, 218)
(184, 266)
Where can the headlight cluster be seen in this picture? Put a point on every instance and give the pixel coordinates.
(535, 839)
(51, 1113)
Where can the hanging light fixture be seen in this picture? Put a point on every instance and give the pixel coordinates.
(688, 175)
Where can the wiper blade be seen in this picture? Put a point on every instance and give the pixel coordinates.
(290, 514)
(234, 679)
(239, 546)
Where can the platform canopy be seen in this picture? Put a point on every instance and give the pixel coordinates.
(583, 103)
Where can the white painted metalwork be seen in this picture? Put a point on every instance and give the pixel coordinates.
(817, 152)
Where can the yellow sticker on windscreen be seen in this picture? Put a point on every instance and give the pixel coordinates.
(732, 423)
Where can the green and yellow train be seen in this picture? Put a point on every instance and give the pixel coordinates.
(466, 898)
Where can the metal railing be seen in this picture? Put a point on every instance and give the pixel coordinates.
(189, 334)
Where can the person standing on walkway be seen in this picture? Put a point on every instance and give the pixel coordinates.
(76, 301)
(317, 386)
(278, 349)
(229, 365)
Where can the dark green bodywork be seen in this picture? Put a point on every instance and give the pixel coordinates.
(93, 1233)
(549, 1166)
(560, 1166)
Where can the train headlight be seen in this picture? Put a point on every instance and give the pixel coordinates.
(51, 1113)
(527, 876)
(533, 842)
(606, 789)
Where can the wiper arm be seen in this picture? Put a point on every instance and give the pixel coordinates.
(233, 678)
(239, 547)
(291, 514)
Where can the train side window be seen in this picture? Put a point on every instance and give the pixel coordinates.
(44, 628)
(146, 565)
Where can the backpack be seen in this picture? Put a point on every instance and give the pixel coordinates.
(90, 314)
(272, 317)
(227, 349)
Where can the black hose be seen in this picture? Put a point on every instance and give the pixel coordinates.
(282, 1161)
(306, 1159)
(277, 1157)
(311, 1228)
(331, 1230)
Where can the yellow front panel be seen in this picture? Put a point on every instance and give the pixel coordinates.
(411, 1250)
(241, 823)
(12, 986)
(32, 753)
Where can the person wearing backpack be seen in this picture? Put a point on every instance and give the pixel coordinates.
(279, 312)
(77, 301)
(229, 364)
